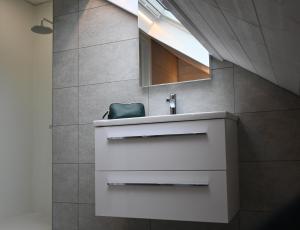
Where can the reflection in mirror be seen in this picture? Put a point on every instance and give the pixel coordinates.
(168, 52)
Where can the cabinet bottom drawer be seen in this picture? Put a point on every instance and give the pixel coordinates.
(172, 195)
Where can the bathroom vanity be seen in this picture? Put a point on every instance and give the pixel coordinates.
(174, 167)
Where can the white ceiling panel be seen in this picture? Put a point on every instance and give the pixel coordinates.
(260, 35)
(193, 22)
(280, 14)
(212, 2)
(252, 41)
(243, 9)
(215, 18)
(244, 30)
(283, 43)
(280, 23)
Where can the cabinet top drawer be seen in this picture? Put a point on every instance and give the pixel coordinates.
(187, 145)
(166, 118)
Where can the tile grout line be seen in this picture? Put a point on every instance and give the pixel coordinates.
(234, 89)
(269, 161)
(72, 203)
(68, 163)
(52, 111)
(91, 84)
(92, 8)
(108, 43)
(148, 101)
(269, 111)
(225, 67)
(99, 44)
(64, 50)
(78, 166)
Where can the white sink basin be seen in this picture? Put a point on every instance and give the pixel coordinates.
(167, 118)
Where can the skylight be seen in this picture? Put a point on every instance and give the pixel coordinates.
(155, 20)
(162, 4)
(158, 9)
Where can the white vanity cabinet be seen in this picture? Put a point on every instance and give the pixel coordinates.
(175, 167)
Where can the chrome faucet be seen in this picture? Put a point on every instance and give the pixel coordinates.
(172, 102)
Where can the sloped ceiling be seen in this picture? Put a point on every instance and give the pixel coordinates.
(262, 36)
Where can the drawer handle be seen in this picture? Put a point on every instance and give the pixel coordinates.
(156, 184)
(193, 184)
(154, 135)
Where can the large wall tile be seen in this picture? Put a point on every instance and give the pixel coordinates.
(62, 7)
(65, 106)
(65, 144)
(88, 4)
(269, 136)
(200, 96)
(106, 24)
(109, 62)
(65, 34)
(253, 220)
(65, 216)
(138, 224)
(65, 183)
(86, 183)
(252, 186)
(86, 144)
(268, 186)
(88, 221)
(87, 218)
(94, 100)
(65, 69)
(256, 94)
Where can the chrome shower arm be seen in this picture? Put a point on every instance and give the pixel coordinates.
(46, 20)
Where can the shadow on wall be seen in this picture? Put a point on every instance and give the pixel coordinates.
(286, 218)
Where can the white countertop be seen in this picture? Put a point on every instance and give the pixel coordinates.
(166, 118)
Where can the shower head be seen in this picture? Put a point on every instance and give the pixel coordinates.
(42, 29)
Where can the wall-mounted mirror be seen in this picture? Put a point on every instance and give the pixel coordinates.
(168, 52)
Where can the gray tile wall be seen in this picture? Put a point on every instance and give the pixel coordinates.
(96, 63)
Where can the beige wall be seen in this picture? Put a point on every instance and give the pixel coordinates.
(42, 116)
(25, 100)
(16, 47)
